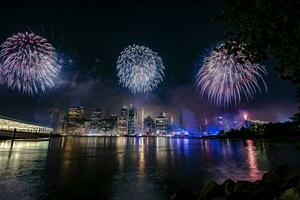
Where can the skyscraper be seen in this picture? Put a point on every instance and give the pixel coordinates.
(142, 118)
(114, 122)
(139, 120)
(96, 119)
(61, 122)
(75, 120)
(109, 125)
(161, 123)
(149, 125)
(132, 120)
(123, 122)
(76, 114)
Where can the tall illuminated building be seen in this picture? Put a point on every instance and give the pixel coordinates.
(132, 120)
(114, 122)
(171, 120)
(75, 120)
(61, 122)
(136, 121)
(76, 114)
(149, 125)
(95, 119)
(161, 123)
(139, 120)
(142, 118)
(123, 122)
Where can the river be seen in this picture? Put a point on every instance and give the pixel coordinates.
(132, 168)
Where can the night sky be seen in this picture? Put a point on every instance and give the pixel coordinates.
(90, 37)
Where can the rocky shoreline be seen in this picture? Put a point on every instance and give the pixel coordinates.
(282, 183)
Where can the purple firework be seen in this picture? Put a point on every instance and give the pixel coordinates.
(226, 78)
(29, 63)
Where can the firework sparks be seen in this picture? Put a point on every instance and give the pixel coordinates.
(29, 63)
(224, 79)
(245, 116)
(139, 69)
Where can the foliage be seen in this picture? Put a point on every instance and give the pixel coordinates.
(267, 27)
(287, 129)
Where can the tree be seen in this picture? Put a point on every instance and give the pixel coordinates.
(267, 28)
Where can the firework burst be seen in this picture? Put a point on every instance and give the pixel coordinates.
(29, 63)
(139, 69)
(224, 79)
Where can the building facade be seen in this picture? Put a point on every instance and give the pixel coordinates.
(123, 122)
(75, 120)
(132, 121)
(95, 119)
(161, 123)
(149, 125)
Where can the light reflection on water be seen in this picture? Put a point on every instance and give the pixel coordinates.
(19, 164)
(254, 172)
(131, 168)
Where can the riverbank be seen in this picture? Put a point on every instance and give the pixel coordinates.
(239, 137)
(186, 137)
(221, 137)
(283, 183)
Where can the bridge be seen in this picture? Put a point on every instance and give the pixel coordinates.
(22, 129)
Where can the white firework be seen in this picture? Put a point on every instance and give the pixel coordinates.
(29, 63)
(140, 69)
(224, 79)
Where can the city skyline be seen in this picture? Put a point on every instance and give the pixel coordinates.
(89, 67)
(136, 121)
(150, 100)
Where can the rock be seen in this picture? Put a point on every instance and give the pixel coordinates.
(294, 173)
(292, 182)
(292, 179)
(290, 194)
(243, 196)
(183, 194)
(272, 178)
(228, 186)
(282, 171)
(282, 183)
(210, 191)
(264, 191)
(244, 187)
(221, 198)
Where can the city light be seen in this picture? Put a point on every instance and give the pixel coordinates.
(132, 121)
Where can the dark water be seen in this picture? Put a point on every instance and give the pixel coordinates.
(132, 168)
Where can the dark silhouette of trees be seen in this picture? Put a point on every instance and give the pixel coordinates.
(271, 130)
(269, 29)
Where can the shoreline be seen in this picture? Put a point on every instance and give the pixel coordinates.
(282, 183)
(194, 138)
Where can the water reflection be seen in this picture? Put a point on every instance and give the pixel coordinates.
(254, 172)
(117, 168)
(20, 165)
(19, 151)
